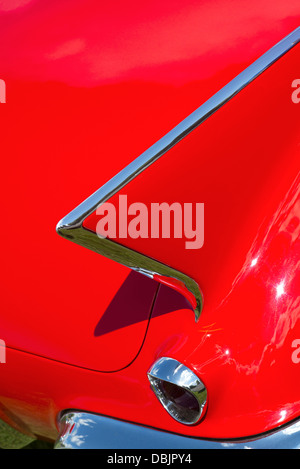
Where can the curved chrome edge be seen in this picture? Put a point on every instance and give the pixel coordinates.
(70, 227)
(172, 371)
(82, 430)
(132, 259)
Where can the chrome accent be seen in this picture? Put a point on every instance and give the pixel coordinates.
(130, 258)
(70, 227)
(168, 370)
(82, 430)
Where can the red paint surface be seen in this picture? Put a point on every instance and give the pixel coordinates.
(89, 87)
(243, 163)
(240, 164)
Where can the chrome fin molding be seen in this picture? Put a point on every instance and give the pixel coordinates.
(71, 226)
(129, 258)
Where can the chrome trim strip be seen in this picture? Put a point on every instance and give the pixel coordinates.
(82, 430)
(132, 259)
(70, 226)
(172, 371)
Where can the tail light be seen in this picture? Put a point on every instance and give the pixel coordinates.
(179, 390)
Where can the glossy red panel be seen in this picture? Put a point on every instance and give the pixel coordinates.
(89, 86)
(243, 163)
(239, 163)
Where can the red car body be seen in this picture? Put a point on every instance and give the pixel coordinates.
(89, 87)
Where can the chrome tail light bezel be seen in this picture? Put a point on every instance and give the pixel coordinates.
(168, 371)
